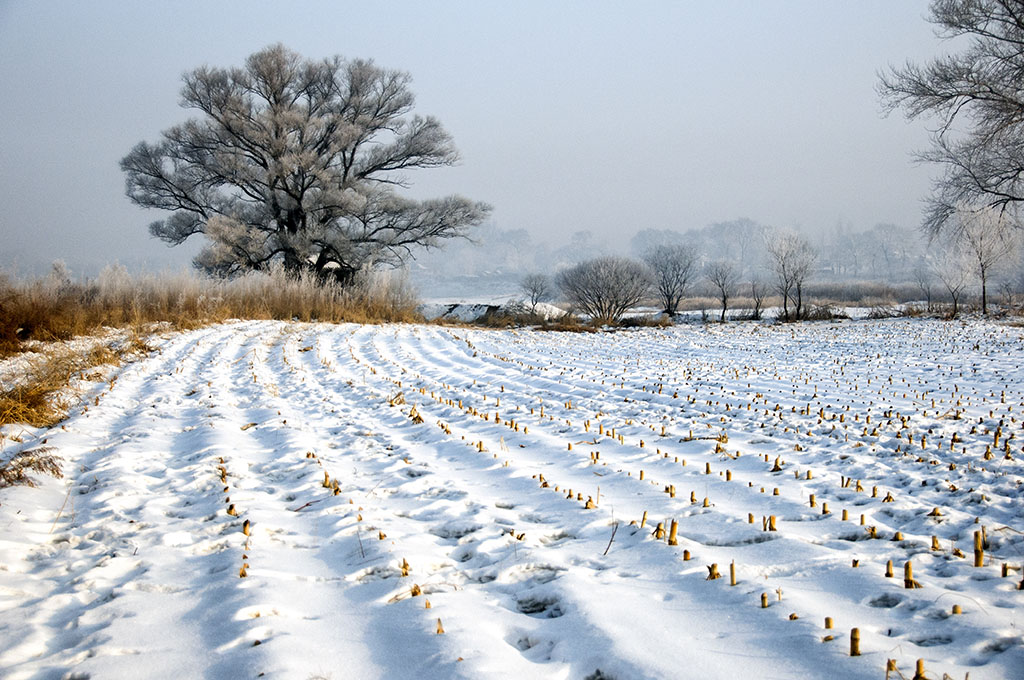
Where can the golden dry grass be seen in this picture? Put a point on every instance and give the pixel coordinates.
(38, 398)
(53, 309)
(56, 309)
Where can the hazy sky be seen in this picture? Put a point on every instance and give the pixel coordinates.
(612, 117)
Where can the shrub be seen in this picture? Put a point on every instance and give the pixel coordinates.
(605, 288)
(824, 313)
(660, 321)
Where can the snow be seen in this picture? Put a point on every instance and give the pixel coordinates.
(15, 368)
(130, 565)
(467, 312)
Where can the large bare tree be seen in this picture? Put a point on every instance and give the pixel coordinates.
(297, 161)
(605, 288)
(674, 267)
(976, 98)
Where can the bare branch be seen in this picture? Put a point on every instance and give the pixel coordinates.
(976, 99)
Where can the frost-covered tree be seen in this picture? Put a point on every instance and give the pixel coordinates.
(605, 288)
(976, 97)
(792, 261)
(297, 161)
(674, 267)
(723, 276)
(952, 266)
(988, 240)
(537, 288)
(60, 274)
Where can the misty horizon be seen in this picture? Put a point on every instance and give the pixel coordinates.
(572, 118)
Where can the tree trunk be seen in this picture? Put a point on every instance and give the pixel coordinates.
(293, 264)
(343, 275)
(984, 294)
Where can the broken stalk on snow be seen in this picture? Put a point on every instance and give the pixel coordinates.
(615, 527)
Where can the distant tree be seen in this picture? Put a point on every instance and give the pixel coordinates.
(605, 288)
(537, 288)
(583, 245)
(758, 292)
(1009, 288)
(60, 274)
(952, 267)
(674, 267)
(738, 241)
(792, 261)
(976, 97)
(723, 277)
(924, 279)
(989, 241)
(647, 240)
(1012, 287)
(297, 161)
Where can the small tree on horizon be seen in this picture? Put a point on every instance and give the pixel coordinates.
(674, 267)
(989, 240)
(537, 288)
(923, 278)
(792, 259)
(952, 268)
(758, 292)
(723, 277)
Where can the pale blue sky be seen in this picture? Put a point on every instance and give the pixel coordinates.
(608, 116)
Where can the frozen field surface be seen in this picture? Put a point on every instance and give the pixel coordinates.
(263, 499)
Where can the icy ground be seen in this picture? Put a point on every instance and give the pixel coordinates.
(284, 500)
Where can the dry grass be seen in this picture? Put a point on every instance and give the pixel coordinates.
(53, 309)
(39, 398)
(34, 400)
(15, 471)
(56, 309)
(568, 323)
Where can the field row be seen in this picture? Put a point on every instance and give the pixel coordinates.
(300, 500)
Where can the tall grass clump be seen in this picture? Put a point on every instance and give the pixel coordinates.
(37, 397)
(56, 308)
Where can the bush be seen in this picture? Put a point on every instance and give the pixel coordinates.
(605, 288)
(824, 313)
(660, 321)
(568, 323)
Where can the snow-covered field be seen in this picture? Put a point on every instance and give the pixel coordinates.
(247, 502)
